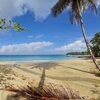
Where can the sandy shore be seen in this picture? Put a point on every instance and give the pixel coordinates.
(78, 74)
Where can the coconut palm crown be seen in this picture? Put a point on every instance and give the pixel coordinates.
(76, 8)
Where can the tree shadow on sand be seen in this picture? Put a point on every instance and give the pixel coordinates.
(42, 80)
(44, 67)
(77, 69)
(47, 66)
(44, 91)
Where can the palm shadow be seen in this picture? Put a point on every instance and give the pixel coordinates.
(44, 67)
(42, 80)
(47, 66)
(78, 69)
(42, 89)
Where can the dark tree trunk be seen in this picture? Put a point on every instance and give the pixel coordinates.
(87, 44)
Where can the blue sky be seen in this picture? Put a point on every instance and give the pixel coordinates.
(45, 34)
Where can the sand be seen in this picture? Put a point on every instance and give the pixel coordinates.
(78, 74)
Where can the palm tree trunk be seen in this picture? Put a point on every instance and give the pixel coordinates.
(87, 44)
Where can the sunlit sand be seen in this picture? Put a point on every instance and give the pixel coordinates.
(78, 74)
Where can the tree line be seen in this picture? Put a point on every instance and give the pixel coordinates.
(77, 53)
(95, 46)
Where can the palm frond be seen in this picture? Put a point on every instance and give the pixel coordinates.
(93, 5)
(76, 7)
(60, 6)
(48, 92)
(75, 17)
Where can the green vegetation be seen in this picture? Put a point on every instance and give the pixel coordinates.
(95, 41)
(4, 24)
(96, 44)
(77, 53)
(77, 8)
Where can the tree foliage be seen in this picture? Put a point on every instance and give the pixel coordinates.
(76, 7)
(77, 53)
(96, 44)
(4, 24)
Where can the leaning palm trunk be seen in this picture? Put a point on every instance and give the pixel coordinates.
(77, 8)
(85, 37)
(87, 44)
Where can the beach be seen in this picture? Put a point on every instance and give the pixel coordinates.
(79, 74)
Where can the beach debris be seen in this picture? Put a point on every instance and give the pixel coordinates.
(16, 65)
(48, 92)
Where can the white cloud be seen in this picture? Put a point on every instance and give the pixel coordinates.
(40, 8)
(12, 8)
(76, 46)
(25, 48)
(42, 48)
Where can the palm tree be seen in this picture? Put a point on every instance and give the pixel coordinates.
(76, 8)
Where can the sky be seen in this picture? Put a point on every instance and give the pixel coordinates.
(44, 34)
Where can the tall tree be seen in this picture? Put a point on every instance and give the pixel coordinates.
(77, 7)
(96, 44)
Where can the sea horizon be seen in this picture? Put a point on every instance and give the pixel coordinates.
(36, 57)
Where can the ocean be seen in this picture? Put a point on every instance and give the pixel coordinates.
(35, 57)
